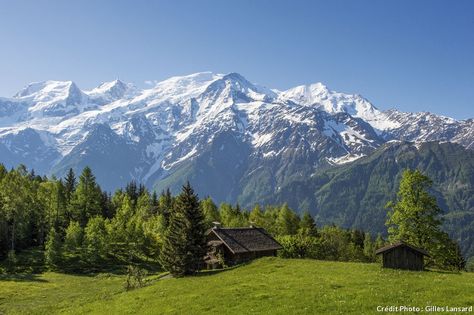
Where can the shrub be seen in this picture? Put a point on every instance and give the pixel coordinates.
(135, 277)
(299, 246)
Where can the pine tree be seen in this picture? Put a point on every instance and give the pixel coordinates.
(69, 184)
(166, 205)
(379, 242)
(369, 251)
(52, 252)
(256, 217)
(154, 202)
(95, 238)
(142, 190)
(184, 241)
(86, 199)
(108, 210)
(307, 225)
(287, 222)
(132, 191)
(121, 223)
(74, 236)
(357, 238)
(211, 214)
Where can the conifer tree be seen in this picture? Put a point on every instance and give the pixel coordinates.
(74, 236)
(166, 205)
(379, 242)
(52, 252)
(95, 238)
(287, 221)
(184, 241)
(369, 251)
(307, 225)
(69, 184)
(154, 202)
(132, 191)
(211, 213)
(86, 199)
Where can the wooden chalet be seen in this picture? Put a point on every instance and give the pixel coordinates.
(402, 256)
(235, 245)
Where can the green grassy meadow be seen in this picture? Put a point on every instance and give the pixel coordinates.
(266, 286)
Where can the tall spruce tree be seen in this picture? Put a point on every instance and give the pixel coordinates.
(369, 250)
(184, 243)
(165, 203)
(307, 225)
(287, 222)
(69, 184)
(52, 253)
(86, 200)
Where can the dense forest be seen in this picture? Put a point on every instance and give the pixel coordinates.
(77, 226)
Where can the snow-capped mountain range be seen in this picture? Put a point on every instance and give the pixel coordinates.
(200, 127)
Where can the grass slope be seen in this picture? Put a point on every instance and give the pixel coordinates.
(266, 286)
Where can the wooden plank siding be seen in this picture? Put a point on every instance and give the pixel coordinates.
(403, 258)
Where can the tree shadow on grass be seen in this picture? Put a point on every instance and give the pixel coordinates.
(204, 273)
(22, 277)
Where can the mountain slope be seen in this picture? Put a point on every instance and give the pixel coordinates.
(355, 195)
(333, 153)
(174, 128)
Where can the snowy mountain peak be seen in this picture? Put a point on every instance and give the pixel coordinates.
(107, 86)
(51, 98)
(47, 90)
(319, 96)
(179, 88)
(111, 91)
(307, 94)
(180, 118)
(236, 88)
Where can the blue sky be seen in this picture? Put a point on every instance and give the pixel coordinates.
(412, 55)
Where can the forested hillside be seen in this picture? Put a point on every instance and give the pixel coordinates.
(355, 195)
(72, 225)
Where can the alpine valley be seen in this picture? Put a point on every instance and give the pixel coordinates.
(333, 154)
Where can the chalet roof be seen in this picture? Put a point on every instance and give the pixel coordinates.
(400, 244)
(242, 240)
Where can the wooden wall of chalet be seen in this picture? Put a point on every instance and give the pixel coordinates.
(403, 258)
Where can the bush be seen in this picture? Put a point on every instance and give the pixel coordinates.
(135, 277)
(299, 246)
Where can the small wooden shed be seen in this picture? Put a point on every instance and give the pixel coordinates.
(236, 245)
(402, 256)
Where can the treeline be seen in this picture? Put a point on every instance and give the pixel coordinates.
(299, 235)
(76, 224)
(74, 220)
(75, 216)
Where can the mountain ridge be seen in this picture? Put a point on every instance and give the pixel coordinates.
(177, 120)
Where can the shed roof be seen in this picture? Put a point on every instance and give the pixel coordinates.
(401, 244)
(242, 240)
